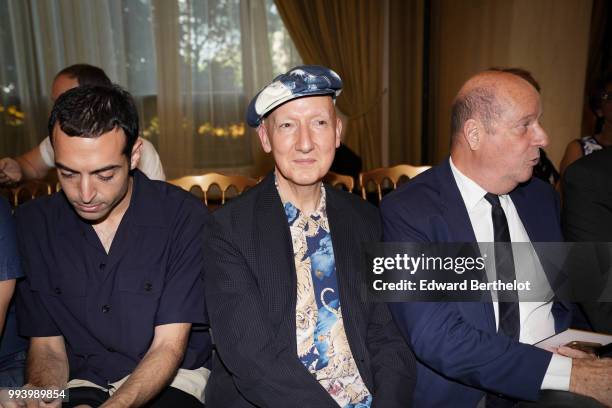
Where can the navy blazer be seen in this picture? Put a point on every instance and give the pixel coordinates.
(460, 356)
(251, 299)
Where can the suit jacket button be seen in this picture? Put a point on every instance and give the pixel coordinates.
(148, 286)
(57, 291)
(106, 308)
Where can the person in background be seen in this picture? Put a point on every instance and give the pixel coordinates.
(346, 161)
(484, 192)
(113, 267)
(36, 163)
(587, 217)
(600, 101)
(283, 272)
(12, 347)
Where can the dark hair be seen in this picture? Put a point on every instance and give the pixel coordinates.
(90, 111)
(86, 74)
(597, 89)
(520, 72)
(479, 102)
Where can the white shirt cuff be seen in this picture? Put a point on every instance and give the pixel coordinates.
(558, 374)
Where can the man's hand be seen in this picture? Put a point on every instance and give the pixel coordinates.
(43, 402)
(7, 402)
(10, 171)
(15, 400)
(593, 378)
(156, 369)
(574, 353)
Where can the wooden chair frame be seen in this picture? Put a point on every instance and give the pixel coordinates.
(335, 179)
(224, 182)
(33, 188)
(393, 174)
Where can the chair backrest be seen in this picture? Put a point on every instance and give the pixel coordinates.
(224, 182)
(393, 174)
(29, 191)
(336, 179)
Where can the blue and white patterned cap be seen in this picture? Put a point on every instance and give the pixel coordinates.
(305, 80)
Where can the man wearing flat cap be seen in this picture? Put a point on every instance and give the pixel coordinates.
(283, 275)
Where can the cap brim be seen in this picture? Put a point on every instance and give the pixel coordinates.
(268, 109)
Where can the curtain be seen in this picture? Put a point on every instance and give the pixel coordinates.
(600, 58)
(406, 50)
(345, 35)
(191, 65)
(547, 37)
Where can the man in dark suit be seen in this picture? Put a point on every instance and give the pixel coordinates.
(485, 193)
(283, 281)
(587, 217)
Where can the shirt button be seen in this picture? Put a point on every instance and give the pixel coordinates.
(58, 291)
(148, 286)
(105, 308)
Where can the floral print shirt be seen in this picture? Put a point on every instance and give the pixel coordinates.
(322, 345)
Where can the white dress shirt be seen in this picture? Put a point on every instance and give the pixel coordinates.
(536, 319)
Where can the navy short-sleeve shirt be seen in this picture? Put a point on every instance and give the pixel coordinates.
(106, 306)
(10, 268)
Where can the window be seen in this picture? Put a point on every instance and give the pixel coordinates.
(11, 115)
(214, 65)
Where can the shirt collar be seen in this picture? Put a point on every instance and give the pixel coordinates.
(320, 211)
(470, 191)
(146, 203)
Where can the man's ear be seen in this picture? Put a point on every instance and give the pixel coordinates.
(473, 133)
(338, 132)
(136, 152)
(262, 132)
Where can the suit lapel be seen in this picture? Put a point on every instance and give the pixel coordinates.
(460, 230)
(345, 246)
(274, 258)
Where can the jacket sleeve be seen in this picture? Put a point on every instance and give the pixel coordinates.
(266, 374)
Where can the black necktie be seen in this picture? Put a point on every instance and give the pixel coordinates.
(509, 320)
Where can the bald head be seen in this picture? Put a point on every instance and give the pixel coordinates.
(482, 97)
(496, 130)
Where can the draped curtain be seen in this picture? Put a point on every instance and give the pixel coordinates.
(346, 36)
(600, 58)
(547, 37)
(192, 66)
(406, 80)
